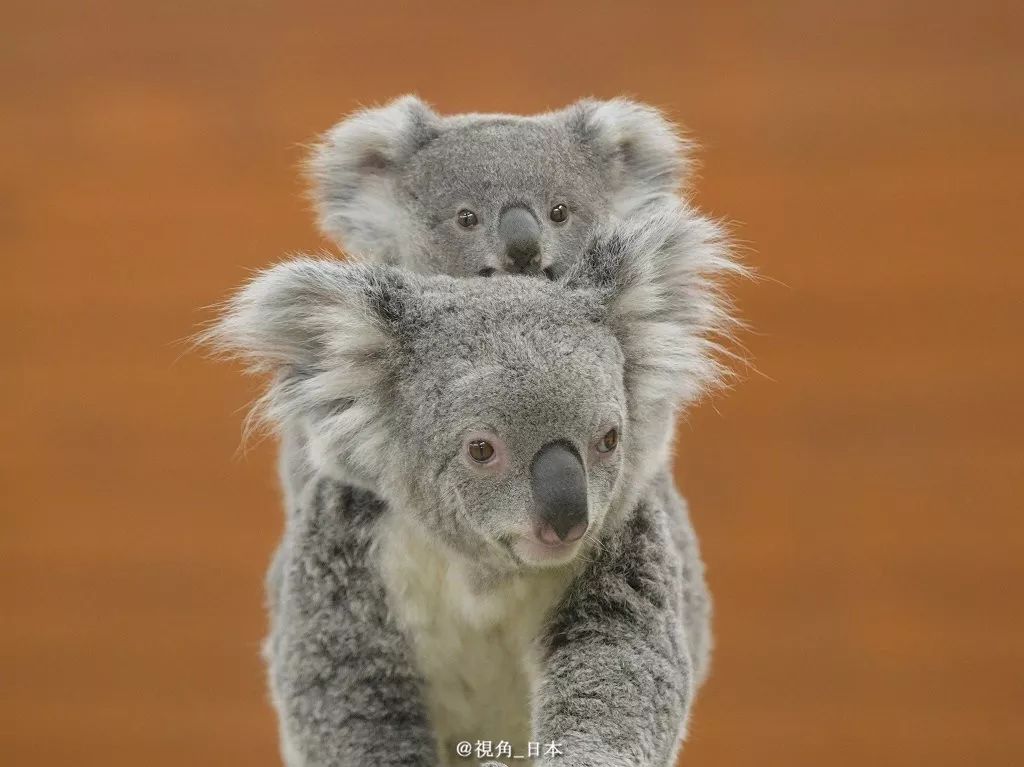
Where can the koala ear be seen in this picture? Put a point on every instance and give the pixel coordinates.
(353, 172)
(323, 329)
(645, 156)
(658, 274)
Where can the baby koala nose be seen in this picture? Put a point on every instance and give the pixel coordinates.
(559, 484)
(520, 234)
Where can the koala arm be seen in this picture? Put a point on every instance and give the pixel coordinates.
(696, 599)
(341, 673)
(617, 682)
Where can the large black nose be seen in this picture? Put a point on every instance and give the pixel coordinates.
(559, 484)
(520, 236)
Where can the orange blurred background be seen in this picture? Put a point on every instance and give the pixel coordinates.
(859, 501)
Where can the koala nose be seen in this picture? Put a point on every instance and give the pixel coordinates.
(559, 484)
(520, 234)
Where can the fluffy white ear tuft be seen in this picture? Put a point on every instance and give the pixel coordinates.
(321, 328)
(660, 275)
(647, 159)
(353, 170)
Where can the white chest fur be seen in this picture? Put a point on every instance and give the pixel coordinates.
(474, 647)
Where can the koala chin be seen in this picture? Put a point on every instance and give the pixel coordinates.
(483, 544)
(481, 194)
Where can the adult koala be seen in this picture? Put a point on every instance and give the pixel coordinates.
(483, 193)
(486, 194)
(481, 549)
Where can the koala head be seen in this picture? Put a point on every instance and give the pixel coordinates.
(482, 194)
(512, 417)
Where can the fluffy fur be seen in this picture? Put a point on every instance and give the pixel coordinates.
(388, 183)
(408, 608)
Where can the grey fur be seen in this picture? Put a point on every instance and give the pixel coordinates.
(388, 183)
(341, 677)
(379, 375)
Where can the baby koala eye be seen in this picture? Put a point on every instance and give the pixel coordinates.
(480, 450)
(608, 441)
(559, 213)
(467, 218)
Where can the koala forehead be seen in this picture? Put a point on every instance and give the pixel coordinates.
(504, 159)
(513, 349)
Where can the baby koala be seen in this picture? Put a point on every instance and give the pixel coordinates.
(481, 549)
(477, 194)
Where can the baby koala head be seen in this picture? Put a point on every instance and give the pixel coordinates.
(511, 417)
(479, 194)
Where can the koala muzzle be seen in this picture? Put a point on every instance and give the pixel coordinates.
(559, 484)
(520, 236)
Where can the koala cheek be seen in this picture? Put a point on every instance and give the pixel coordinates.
(325, 458)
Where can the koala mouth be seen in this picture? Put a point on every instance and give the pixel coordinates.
(489, 271)
(531, 551)
(526, 550)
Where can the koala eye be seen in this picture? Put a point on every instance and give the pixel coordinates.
(559, 213)
(481, 451)
(467, 218)
(608, 441)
